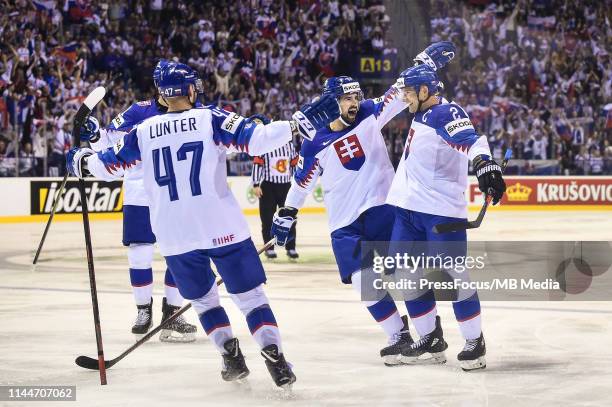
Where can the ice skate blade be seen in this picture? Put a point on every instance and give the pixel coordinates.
(286, 392)
(138, 337)
(392, 360)
(425, 359)
(242, 383)
(476, 364)
(238, 379)
(170, 336)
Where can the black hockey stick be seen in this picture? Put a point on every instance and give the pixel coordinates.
(55, 202)
(93, 364)
(80, 117)
(79, 120)
(463, 225)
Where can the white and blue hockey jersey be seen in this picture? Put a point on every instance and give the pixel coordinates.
(432, 175)
(353, 164)
(183, 156)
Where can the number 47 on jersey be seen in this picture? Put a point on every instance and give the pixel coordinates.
(196, 148)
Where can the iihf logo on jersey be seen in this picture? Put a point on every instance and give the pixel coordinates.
(350, 152)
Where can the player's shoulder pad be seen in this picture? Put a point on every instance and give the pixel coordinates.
(451, 117)
(323, 138)
(130, 117)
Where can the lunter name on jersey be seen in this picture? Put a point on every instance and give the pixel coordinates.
(173, 126)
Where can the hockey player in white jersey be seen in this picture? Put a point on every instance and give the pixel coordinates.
(194, 215)
(137, 233)
(352, 160)
(428, 189)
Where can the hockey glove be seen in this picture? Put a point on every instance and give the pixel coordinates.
(90, 130)
(282, 223)
(259, 119)
(316, 115)
(437, 55)
(489, 176)
(75, 161)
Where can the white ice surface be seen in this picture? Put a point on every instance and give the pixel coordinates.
(539, 353)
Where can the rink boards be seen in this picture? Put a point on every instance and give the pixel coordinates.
(31, 199)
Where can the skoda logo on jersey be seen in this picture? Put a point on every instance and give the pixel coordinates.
(350, 152)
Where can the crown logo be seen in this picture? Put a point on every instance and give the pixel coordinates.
(518, 192)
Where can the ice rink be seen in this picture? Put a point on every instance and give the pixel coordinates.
(539, 353)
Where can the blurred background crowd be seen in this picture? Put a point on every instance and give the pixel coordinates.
(535, 76)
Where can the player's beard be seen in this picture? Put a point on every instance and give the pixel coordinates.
(350, 115)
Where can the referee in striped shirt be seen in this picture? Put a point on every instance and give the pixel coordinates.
(271, 178)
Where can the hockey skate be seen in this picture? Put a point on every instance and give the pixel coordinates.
(292, 254)
(402, 340)
(278, 367)
(178, 330)
(143, 320)
(429, 349)
(472, 357)
(234, 366)
(270, 254)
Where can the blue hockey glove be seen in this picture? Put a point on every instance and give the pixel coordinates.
(316, 115)
(90, 130)
(282, 223)
(259, 119)
(437, 55)
(75, 164)
(490, 180)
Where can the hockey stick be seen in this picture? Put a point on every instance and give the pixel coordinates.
(94, 364)
(80, 117)
(464, 225)
(55, 202)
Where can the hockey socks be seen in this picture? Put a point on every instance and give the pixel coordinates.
(385, 313)
(173, 296)
(217, 326)
(423, 313)
(467, 313)
(142, 285)
(263, 327)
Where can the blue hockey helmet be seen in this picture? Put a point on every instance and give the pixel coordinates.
(418, 75)
(341, 85)
(157, 71)
(175, 79)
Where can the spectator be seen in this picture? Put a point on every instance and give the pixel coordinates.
(536, 70)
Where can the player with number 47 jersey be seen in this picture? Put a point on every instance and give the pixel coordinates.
(194, 214)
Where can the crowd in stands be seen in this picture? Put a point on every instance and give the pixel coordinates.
(259, 56)
(533, 75)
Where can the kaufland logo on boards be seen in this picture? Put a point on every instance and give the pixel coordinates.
(101, 197)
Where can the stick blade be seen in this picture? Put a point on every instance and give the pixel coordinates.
(455, 227)
(94, 97)
(90, 363)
